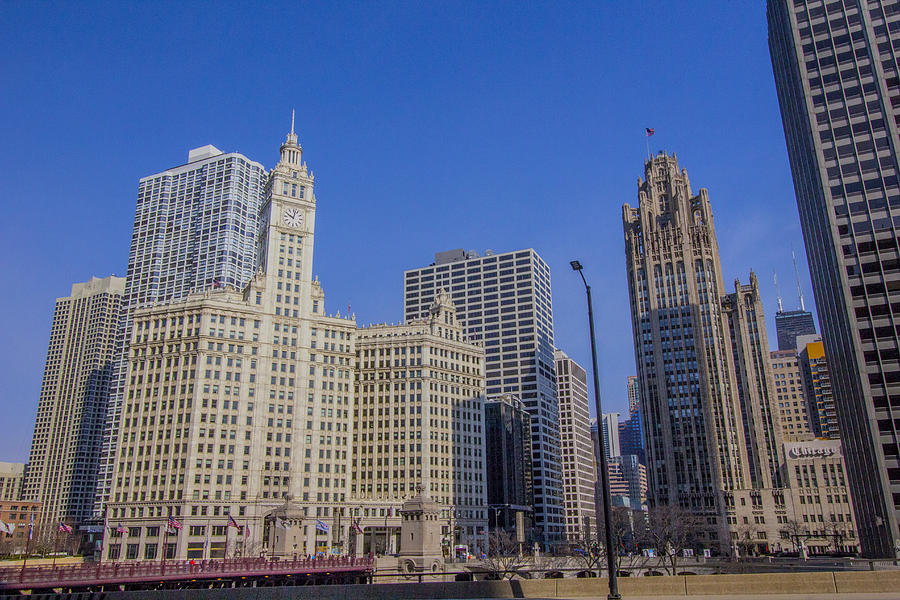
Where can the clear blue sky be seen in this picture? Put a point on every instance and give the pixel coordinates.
(429, 126)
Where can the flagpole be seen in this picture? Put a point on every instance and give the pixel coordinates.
(647, 138)
(28, 543)
(165, 548)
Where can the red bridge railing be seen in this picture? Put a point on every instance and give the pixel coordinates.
(96, 574)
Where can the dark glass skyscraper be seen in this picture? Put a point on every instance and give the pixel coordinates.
(791, 323)
(836, 72)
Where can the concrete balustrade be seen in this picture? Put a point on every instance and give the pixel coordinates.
(682, 586)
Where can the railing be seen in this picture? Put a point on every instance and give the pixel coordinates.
(90, 574)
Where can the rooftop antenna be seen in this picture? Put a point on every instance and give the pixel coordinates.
(777, 291)
(797, 275)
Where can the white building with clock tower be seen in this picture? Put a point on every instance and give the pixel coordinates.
(238, 402)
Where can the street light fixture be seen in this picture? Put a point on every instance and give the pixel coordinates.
(604, 468)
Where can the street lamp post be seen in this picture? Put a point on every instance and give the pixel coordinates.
(604, 469)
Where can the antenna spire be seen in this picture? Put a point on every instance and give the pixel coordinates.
(797, 275)
(292, 121)
(777, 291)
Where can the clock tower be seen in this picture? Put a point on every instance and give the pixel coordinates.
(287, 223)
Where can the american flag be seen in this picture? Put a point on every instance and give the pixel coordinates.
(356, 526)
(650, 131)
(173, 523)
(232, 522)
(217, 283)
(65, 527)
(121, 529)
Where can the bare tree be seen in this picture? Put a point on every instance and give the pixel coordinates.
(670, 530)
(503, 559)
(836, 532)
(742, 537)
(795, 529)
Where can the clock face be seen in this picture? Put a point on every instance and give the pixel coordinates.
(292, 217)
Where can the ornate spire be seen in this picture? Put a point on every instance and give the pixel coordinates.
(291, 151)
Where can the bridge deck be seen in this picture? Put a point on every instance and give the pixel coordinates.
(117, 573)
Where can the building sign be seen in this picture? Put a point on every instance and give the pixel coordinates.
(813, 449)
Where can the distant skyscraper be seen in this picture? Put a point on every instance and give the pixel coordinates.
(634, 393)
(791, 395)
(11, 479)
(790, 324)
(577, 451)
(631, 438)
(696, 455)
(836, 73)
(66, 446)
(610, 424)
(504, 300)
(508, 455)
(818, 389)
(195, 228)
(628, 478)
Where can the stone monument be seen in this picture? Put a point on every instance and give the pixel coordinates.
(420, 534)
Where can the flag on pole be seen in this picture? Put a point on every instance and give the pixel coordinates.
(31, 527)
(4, 528)
(356, 526)
(246, 531)
(390, 511)
(173, 523)
(65, 527)
(217, 283)
(232, 522)
(321, 526)
(650, 131)
(121, 529)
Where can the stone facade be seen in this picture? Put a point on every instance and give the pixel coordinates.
(237, 398)
(504, 301)
(691, 410)
(12, 475)
(419, 421)
(793, 412)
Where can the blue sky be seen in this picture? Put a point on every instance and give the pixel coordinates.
(429, 126)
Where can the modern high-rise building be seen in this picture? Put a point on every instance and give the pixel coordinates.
(628, 479)
(836, 73)
(633, 387)
(195, 228)
(504, 301)
(791, 323)
(631, 438)
(66, 447)
(238, 400)
(610, 425)
(413, 428)
(692, 418)
(755, 384)
(12, 476)
(507, 449)
(790, 394)
(818, 390)
(577, 452)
